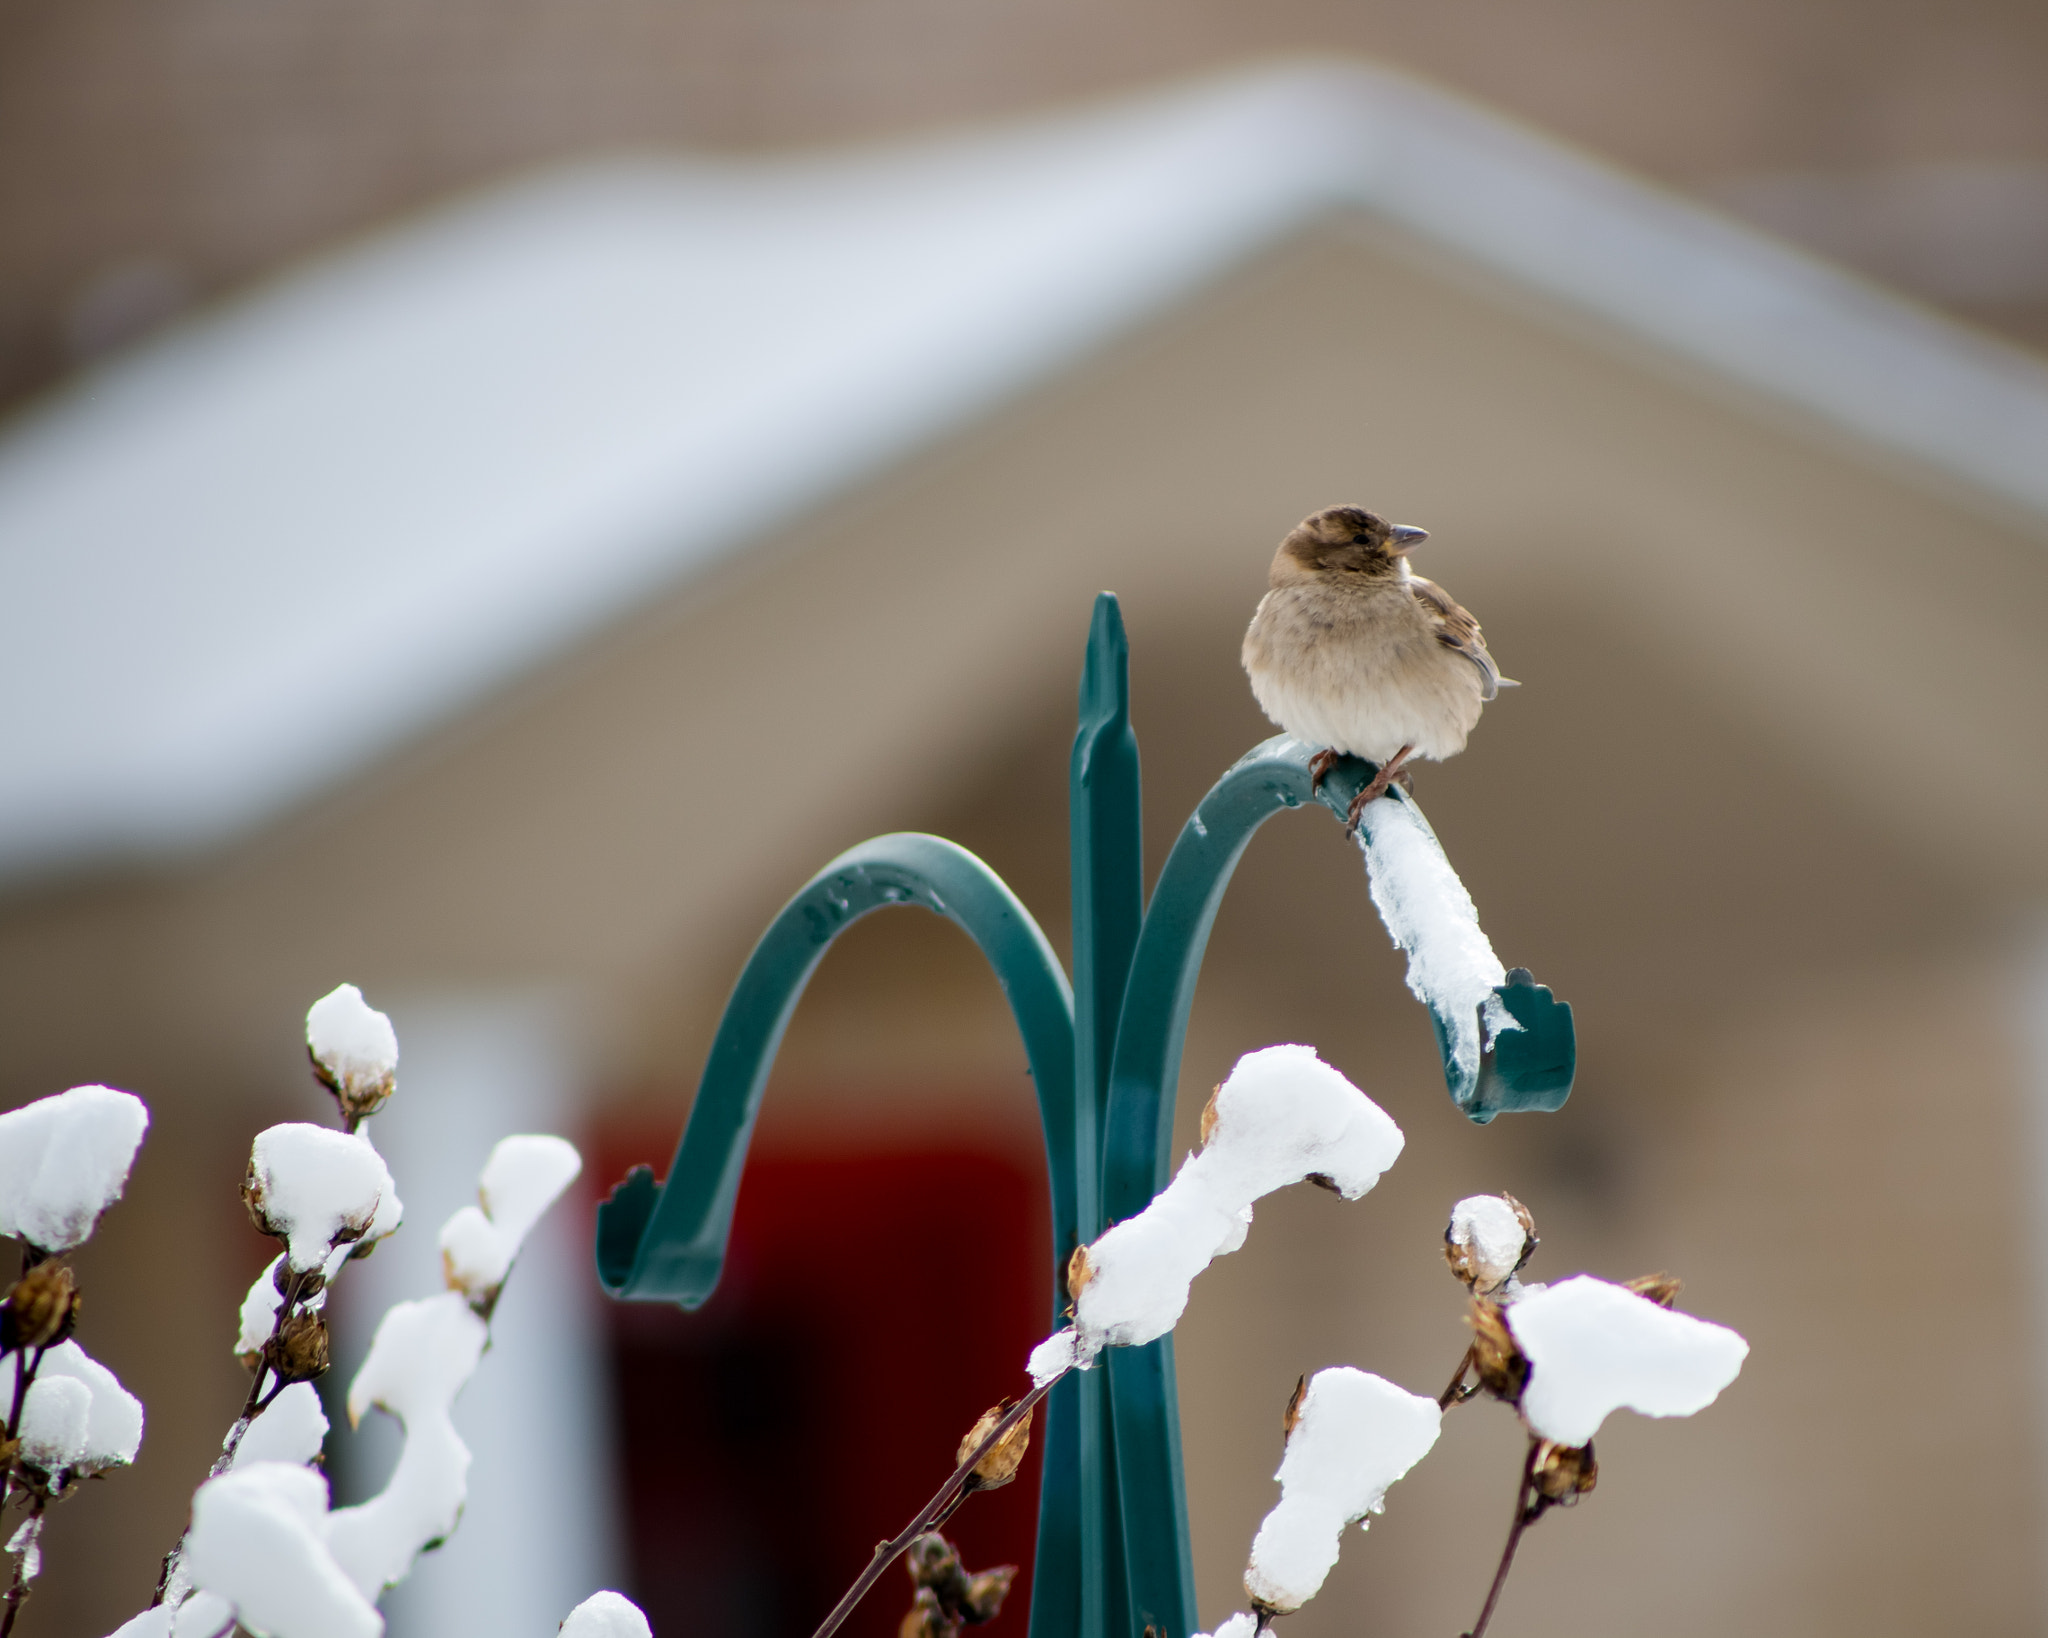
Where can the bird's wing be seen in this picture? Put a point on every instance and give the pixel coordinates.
(1456, 629)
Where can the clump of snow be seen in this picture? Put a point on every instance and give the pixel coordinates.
(1595, 1347)
(26, 1544)
(291, 1428)
(199, 1615)
(316, 1189)
(1353, 1436)
(259, 1541)
(420, 1358)
(390, 1214)
(113, 1425)
(1486, 1240)
(259, 1310)
(524, 1176)
(474, 1256)
(203, 1615)
(354, 1048)
(1451, 965)
(1241, 1625)
(1055, 1356)
(64, 1160)
(606, 1615)
(54, 1418)
(1283, 1116)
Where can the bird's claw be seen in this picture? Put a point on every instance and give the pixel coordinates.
(1319, 767)
(1395, 767)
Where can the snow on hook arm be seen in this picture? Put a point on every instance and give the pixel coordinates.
(1282, 1117)
(1452, 969)
(1354, 1434)
(1594, 1348)
(64, 1160)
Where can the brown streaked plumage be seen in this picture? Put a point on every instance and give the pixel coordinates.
(1351, 651)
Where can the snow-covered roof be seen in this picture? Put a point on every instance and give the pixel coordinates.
(268, 548)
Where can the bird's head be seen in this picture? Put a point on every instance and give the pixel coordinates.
(1347, 540)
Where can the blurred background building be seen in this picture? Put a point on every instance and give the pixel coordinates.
(497, 496)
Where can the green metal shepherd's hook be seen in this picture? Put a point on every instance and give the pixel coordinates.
(1112, 1556)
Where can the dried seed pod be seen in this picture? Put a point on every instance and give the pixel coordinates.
(986, 1592)
(1292, 1414)
(1661, 1289)
(1497, 1360)
(1208, 1129)
(926, 1619)
(40, 1308)
(1564, 1473)
(253, 1199)
(311, 1282)
(298, 1352)
(354, 1052)
(1000, 1465)
(1079, 1273)
(930, 1559)
(1488, 1240)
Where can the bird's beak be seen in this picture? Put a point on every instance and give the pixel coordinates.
(1407, 537)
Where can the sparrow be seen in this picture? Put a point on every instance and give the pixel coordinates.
(1352, 651)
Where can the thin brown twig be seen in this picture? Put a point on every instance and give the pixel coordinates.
(18, 1588)
(1527, 1512)
(888, 1552)
(1455, 1394)
(253, 1406)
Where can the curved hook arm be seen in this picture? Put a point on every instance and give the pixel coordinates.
(667, 1243)
(1138, 1132)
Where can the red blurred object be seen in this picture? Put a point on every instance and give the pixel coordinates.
(873, 1305)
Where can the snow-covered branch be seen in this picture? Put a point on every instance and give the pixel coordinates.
(1283, 1116)
(266, 1552)
(63, 1415)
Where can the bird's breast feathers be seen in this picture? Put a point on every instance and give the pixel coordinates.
(1363, 674)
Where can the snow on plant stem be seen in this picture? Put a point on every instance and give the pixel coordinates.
(354, 1050)
(315, 1189)
(606, 1615)
(64, 1160)
(421, 1357)
(1282, 1116)
(523, 1177)
(292, 1428)
(1354, 1434)
(1594, 1348)
(1489, 1237)
(259, 1543)
(54, 1418)
(1452, 969)
(113, 1422)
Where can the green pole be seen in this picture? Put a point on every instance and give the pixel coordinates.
(1113, 1554)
